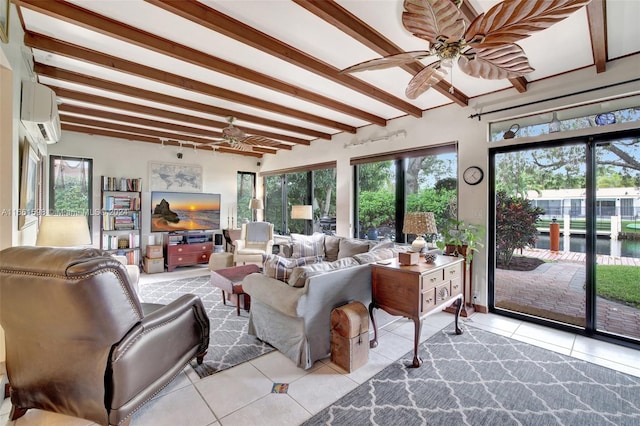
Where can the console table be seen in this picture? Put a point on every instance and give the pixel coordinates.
(415, 291)
(188, 249)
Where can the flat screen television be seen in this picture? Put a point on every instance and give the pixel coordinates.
(184, 211)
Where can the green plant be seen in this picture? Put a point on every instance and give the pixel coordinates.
(461, 238)
(516, 220)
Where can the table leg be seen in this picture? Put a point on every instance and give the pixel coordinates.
(374, 342)
(459, 304)
(417, 362)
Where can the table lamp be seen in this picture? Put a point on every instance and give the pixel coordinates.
(419, 224)
(256, 204)
(63, 231)
(302, 212)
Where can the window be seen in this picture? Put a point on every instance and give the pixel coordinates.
(390, 185)
(246, 191)
(621, 110)
(70, 184)
(316, 187)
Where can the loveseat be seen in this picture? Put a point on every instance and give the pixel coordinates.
(292, 299)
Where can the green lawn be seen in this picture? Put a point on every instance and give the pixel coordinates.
(620, 283)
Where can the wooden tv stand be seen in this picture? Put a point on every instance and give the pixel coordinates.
(187, 249)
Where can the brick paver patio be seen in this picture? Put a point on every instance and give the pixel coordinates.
(557, 286)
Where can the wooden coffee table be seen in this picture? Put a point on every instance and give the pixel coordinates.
(229, 280)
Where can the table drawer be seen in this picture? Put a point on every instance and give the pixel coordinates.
(431, 280)
(186, 258)
(190, 248)
(456, 286)
(442, 293)
(428, 301)
(453, 271)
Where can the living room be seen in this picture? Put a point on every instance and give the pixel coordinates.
(448, 124)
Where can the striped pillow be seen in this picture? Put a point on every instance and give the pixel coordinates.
(305, 246)
(280, 268)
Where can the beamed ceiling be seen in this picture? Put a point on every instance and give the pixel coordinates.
(171, 72)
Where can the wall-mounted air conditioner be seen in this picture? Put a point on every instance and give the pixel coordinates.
(39, 112)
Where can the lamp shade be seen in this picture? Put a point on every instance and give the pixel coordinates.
(302, 212)
(63, 231)
(256, 204)
(419, 224)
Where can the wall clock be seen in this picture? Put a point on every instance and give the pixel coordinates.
(473, 175)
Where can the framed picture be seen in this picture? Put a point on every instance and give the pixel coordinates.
(4, 21)
(175, 177)
(29, 176)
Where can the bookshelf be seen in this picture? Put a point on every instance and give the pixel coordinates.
(120, 217)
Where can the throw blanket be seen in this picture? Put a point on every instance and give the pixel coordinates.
(258, 231)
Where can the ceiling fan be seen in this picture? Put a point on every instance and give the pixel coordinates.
(486, 49)
(238, 139)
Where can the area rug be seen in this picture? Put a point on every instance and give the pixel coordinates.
(480, 378)
(229, 343)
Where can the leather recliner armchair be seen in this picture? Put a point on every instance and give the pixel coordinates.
(78, 340)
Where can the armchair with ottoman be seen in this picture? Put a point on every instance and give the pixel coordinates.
(80, 343)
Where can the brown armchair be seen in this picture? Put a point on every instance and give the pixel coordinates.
(79, 342)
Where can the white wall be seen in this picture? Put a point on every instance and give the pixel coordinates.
(122, 158)
(12, 71)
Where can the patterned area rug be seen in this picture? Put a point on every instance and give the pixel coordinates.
(229, 343)
(480, 378)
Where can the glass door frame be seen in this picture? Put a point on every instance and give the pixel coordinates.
(590, 142)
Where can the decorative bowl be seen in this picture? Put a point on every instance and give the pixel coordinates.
(430, 257)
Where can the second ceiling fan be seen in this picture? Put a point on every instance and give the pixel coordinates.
(238, 139)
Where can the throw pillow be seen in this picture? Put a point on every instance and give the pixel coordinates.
(331, 247)
(307, 245)
(384, 244)
(374, 256)
(300, 274)
(280, 268)
(351, 247)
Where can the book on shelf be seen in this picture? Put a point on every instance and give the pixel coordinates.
(114, 242)
(121, 184)
(112, 222)
(113, 202)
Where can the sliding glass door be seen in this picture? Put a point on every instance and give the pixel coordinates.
(566, 226)
(536, 273)
(617, 213)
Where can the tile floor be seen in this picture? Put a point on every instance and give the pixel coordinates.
(242, 395)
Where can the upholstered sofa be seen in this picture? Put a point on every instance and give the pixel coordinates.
(292, 299)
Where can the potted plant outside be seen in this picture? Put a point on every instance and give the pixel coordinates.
(460, 238)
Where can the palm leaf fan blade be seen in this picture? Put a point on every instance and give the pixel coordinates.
(388, 61)
(424, 80)
(514, 20)
(506, 61)
(259, 140)
(431, 19)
